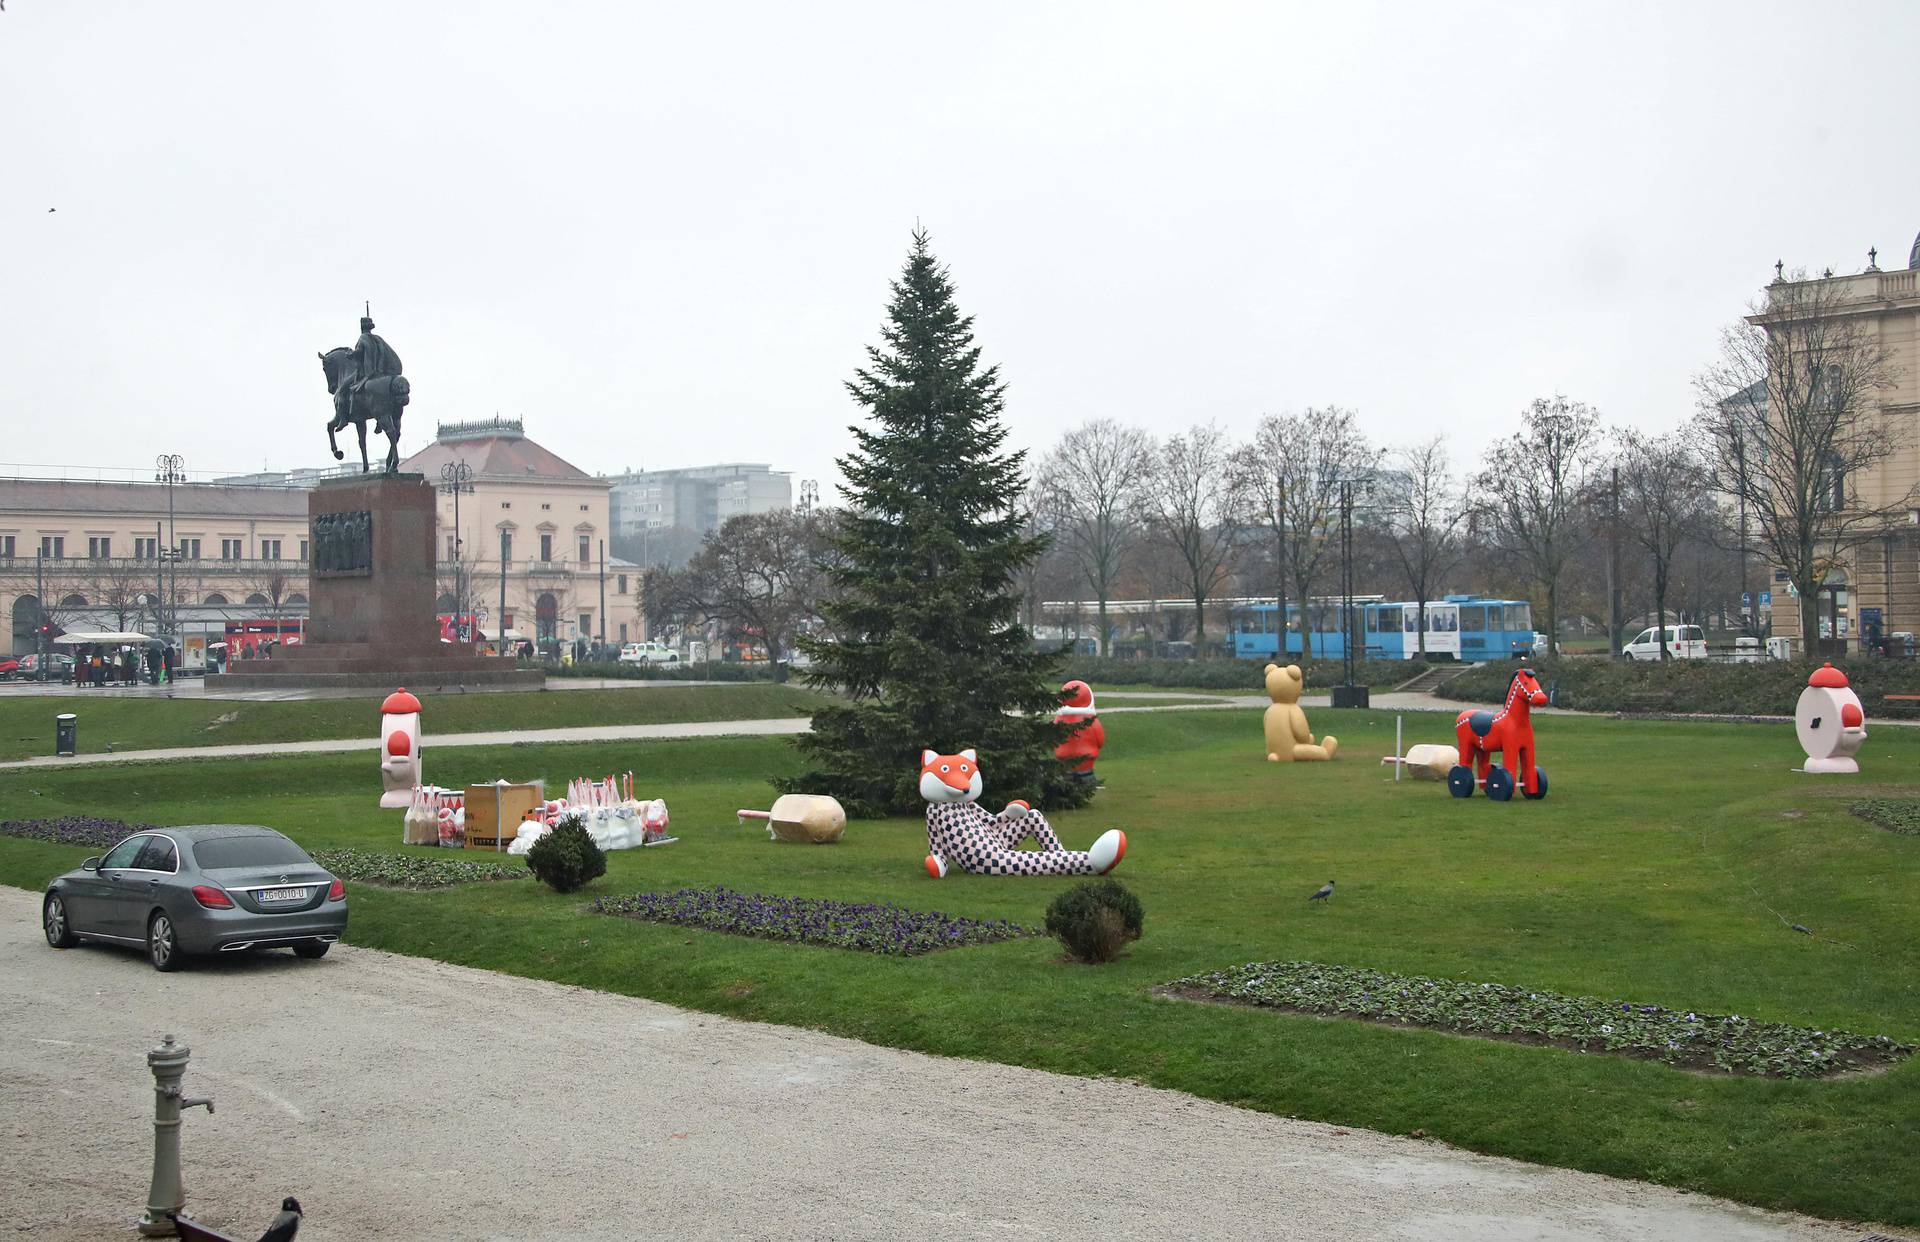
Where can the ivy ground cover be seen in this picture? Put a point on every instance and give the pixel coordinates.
(870, 927)
(1667, 868)
(1726, 1042)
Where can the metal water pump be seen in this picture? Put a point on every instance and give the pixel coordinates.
(166, 1196)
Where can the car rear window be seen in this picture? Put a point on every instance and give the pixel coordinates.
(247, 852)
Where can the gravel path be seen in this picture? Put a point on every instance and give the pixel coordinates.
(405, 1099)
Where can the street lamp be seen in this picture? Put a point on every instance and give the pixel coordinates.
(169, 468)
(1348, 695)
(457, 477)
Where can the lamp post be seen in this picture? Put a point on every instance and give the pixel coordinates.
(457, 477)
(502, 620)
(1348, 695)
(168, 468)
(603, 592)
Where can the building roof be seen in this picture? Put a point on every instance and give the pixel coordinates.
(495, 457)
(37, 496)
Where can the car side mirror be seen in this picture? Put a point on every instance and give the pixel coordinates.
(91, 864)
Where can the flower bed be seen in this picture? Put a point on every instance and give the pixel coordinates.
(1731, 1043)
(1901, 815)
(413, 870)
(82, 830)
(869, 927)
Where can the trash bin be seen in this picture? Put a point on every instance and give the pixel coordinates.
(66, 730)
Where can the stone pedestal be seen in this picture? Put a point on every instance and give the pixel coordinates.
(372, 622)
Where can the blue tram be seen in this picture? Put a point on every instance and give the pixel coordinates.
(1459, 627)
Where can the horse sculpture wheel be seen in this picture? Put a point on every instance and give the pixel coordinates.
(1509, 731)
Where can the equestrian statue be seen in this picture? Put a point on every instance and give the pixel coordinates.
(367, 386)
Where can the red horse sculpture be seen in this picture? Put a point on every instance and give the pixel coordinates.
(1509, 731)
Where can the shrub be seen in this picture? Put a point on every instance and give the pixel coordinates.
(1246, 676)
(566, 857)
(695, 670)
(1095, 920)
(1769, 688)
(414, 871)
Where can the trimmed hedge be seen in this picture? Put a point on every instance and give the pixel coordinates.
(1246, 676)
(1769, 688)
(614, 670)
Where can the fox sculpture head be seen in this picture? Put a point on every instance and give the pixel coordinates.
(950, 778)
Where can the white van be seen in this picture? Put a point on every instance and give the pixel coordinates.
(648, 653)
(1684, 642)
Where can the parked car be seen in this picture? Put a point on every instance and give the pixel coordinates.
(208, 888)
(648, 653)
(57, 665)
(1684, 642)
(9, 665)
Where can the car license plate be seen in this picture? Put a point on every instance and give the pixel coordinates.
(283, 894)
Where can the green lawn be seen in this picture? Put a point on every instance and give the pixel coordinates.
(1659, 871)
(26, 723)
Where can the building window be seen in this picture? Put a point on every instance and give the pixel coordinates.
(506, 546)
(545, 505)
(303, 549)
(190, 549)
(146, 549)
(230, 550)
(623, 633)
(586, 550)
(546, 547)
(506, 504)
(99, 547)
(583, 508)
(586, 625)
(449, 547)
(269, 549)
(621, 581)
(53, 546)
(6, 547)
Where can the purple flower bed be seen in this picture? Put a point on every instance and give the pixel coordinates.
(1703, 1041)
(870, 927)
(83, 830)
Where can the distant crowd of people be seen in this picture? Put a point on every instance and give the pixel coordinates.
(122, 666)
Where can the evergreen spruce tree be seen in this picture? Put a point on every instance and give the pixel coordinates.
(925, 638)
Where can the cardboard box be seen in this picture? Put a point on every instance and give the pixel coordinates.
(494, 812)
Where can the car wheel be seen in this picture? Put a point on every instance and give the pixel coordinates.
(163, 945)
(53, 918)
(313, 951)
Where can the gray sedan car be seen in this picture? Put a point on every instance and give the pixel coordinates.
(209, 888)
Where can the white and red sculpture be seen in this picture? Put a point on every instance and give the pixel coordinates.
(1831, 722)
(399, 748)
(963, 834)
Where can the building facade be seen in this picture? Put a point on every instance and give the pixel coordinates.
(659, 515)
(527, 548)
(1878, 579)
(95, 556)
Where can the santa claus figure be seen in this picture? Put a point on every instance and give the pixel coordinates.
(1831, 723)
(1079, 751)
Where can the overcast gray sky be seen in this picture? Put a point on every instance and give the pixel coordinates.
(663, 234)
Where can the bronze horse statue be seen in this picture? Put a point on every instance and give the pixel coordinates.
(380, 400)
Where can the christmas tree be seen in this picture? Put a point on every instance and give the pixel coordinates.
(923, 637)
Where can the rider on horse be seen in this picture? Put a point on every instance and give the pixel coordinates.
(373, 358)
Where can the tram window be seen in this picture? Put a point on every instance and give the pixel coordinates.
(1473, 617)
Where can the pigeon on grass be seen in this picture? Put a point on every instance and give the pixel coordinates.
(1323, 893)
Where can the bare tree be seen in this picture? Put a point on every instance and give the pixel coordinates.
(120, 589)
(762, 575)
(1287, 479)
(1792, 417)
(1424, 514)
(1189, 503)
(1665, 493)
(1091, 484)
(1529, 497)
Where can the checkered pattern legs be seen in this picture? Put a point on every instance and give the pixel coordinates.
(966, 836)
